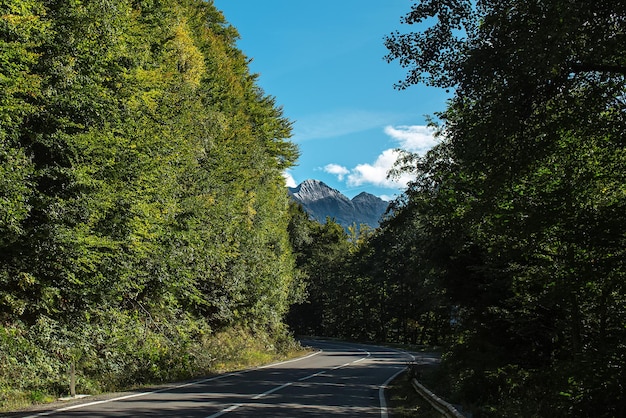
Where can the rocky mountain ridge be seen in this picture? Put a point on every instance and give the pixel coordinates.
(321, 201)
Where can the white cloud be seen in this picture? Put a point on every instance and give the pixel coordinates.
(337, 170)
(289, 180)
(376, 173)
(414, 138)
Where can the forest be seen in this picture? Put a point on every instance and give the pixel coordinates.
(146, 234)
(143, 212)
(508, 248)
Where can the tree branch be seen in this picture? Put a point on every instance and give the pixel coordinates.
(602, 68)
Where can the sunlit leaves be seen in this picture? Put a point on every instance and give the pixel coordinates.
(140, 167)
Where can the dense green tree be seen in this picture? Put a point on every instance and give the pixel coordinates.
(322, 253)
(141, 192)
(524, 198)
(22, 32)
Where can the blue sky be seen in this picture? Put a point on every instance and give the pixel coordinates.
(323, 62)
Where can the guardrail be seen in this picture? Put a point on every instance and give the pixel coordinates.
(436, 402)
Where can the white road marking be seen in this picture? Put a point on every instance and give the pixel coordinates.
(184, 385)
(277, 388)
(231, 408)
(381, 394)
(226, 411)
(381, 389)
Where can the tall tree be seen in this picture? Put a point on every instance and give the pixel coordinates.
(527, 194)
(141, 189)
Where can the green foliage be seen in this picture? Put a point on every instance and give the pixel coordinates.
(368, 286)
(22, 32)
(141, 195)
(517, 216)
(322, 251)
(114, 350)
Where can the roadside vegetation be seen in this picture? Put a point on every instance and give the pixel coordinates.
(143, 213)
(37, 361)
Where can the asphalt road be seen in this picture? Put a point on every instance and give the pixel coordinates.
(341, 379)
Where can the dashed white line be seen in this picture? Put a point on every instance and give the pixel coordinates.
(226, 411)
(277, 388)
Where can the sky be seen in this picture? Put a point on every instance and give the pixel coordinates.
(324, 63)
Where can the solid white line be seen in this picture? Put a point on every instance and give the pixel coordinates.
(133, 395)
(381, 390)
(381, 394)
(289, 361)
(199, 382)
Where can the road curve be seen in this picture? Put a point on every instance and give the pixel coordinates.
(339, 379)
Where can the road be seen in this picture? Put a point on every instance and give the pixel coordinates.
(340, 379)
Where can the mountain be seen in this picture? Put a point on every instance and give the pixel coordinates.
(321, 201)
